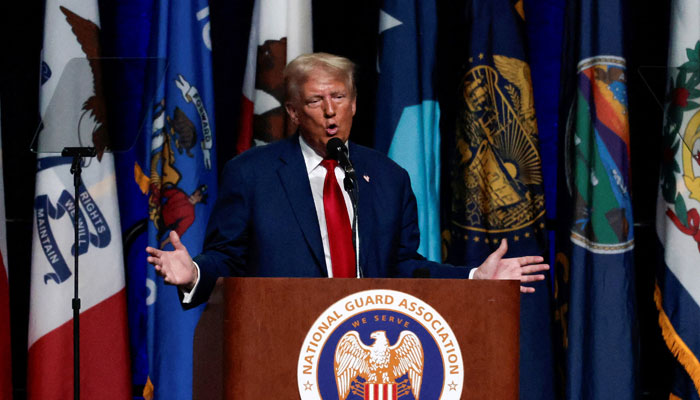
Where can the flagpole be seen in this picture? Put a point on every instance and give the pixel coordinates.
(76, 169)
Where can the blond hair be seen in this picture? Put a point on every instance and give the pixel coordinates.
(299, 70)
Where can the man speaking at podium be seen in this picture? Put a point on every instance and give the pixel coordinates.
(282, 210)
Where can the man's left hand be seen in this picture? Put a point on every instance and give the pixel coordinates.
(523, 269)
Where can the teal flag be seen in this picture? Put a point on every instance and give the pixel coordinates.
(408, 114)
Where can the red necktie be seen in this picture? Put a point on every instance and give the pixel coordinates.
(337, 224)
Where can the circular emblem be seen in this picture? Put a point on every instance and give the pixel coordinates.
(380, 344)
(691, 156)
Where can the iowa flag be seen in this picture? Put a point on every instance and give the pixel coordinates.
(71, 31)
(280, 31)
(677, 292)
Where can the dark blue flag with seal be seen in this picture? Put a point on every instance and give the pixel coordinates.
(408, 114)
(595, 290)
(126, 27)
(495, 185)
(179, 177)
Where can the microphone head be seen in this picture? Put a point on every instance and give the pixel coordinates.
(334, 147)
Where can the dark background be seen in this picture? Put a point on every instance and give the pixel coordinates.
(345, 28)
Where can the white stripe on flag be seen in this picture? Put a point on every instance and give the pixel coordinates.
(379, 391)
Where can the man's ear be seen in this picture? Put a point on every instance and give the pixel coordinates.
(292, 112)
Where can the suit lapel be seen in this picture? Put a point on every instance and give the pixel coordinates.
(295, 180)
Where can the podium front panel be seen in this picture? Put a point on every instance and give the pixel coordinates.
(249, 341)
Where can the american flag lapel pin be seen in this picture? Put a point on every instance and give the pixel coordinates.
(366, 177)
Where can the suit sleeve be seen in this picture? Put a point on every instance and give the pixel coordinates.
(410, 263)
(226, 242)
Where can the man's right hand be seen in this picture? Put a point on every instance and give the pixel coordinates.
(175, 266)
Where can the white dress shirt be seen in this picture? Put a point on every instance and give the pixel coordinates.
(317, 177)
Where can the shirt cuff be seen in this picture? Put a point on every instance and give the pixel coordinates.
(187, 296)
(471, 273)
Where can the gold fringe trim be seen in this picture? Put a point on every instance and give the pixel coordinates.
(520, 9)
(141, 179)
(674, 343)
(148, 390)
(672, 396)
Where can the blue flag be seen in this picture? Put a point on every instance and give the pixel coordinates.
(677, 292)
(545, 30)
(493, 159)
(408, 114)
(595, 272)
(179, 177)
(126, 35)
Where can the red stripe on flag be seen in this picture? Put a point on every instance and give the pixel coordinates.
(5, 344)
(380, 391)
(245, 133)
(104, 357)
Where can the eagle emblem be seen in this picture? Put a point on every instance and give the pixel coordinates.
(379, 363)
(87, 33)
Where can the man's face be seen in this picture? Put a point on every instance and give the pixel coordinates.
(323, 110)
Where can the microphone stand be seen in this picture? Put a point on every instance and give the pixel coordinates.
(76, 169)
(350, 183)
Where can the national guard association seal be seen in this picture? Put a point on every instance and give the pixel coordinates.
(380, 345)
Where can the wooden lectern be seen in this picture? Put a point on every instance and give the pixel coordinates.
(249, 338)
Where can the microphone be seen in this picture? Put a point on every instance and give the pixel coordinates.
(335, 148)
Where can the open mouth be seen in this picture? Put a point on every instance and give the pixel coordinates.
(332, 129)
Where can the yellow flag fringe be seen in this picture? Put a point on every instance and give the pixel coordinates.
(148, 390)
(674, 343)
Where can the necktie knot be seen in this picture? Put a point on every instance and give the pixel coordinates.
(329, 164)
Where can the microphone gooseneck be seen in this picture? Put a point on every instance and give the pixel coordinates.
(335, 148)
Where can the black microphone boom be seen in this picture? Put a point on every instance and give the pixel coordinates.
(335, 148)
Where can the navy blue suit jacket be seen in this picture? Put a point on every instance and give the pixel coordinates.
(264, 223)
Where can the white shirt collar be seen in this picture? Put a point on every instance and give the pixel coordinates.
(311, 159)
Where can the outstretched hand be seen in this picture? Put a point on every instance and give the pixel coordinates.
(523, 269)
(175, 266)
